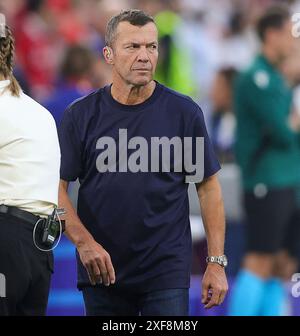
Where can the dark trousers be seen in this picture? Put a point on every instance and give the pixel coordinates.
(273, 221)
(25, 271)
(110, 301)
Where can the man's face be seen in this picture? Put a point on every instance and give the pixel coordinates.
(135, 53)
(220, 93)
(284, 41)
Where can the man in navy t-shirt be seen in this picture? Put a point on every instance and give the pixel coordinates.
(135, 145)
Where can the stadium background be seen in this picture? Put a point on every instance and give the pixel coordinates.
(58, 58)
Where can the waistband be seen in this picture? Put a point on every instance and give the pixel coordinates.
(20, 214)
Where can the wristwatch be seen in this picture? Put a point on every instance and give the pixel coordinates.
(221, 260)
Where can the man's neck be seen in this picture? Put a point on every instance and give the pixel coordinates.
(130, 94)
(271, 56)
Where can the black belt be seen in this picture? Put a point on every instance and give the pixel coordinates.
(21, 214)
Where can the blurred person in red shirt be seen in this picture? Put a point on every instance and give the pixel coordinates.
(72, 19)
(38, 47)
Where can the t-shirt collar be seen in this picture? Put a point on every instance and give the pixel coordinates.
(137, 107)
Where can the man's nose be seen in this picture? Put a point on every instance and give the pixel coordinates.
(143, 55)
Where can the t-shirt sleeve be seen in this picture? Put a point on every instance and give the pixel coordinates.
(71, 147)
(200, 160)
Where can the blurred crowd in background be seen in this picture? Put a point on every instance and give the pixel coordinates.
(203, 44)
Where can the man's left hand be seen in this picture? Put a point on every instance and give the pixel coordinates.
(214, 285)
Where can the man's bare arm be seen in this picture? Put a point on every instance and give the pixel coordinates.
(93, 256)
(214, 284)
(212, 212)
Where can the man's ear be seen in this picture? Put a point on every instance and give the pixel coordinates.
(108, 55)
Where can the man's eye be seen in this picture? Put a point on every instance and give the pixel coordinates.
(153, 47)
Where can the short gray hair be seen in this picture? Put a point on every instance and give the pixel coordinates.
(135, 17)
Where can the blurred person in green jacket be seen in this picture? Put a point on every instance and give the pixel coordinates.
(174, 67)
(268, 153)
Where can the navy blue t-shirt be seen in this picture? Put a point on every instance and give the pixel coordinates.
(140, 218)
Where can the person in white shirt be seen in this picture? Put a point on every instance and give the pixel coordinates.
(29, 180)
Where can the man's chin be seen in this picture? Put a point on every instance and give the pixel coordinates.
(142, 81)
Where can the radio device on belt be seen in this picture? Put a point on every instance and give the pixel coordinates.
(52, 227)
